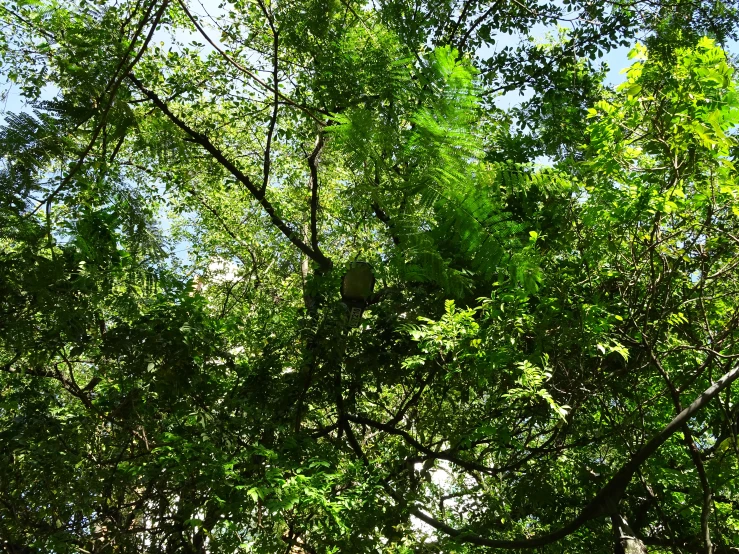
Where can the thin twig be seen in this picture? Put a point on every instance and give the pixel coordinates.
(241, 68)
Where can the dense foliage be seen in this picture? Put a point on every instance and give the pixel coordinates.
(545, 364)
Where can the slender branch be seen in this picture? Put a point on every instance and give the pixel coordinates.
(463, 42)
(382, 216)
(694, 452)
(8, 368)
(688, 545)
(299, 544)
(379, 212)
(457, 24)
(381, 294)
(68, 385)
(259, 195)
(416, 396)
(49, 36)
(216, 214)
(470, 466)
(313, 165)
(113, 88)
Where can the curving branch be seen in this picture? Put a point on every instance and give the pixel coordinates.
(443, 455)
(67, 384)
(259, 195)
(606, 501)
(692, 448)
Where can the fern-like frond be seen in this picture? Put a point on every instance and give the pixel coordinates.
(30, 143)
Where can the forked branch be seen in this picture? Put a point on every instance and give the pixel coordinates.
(256, 191)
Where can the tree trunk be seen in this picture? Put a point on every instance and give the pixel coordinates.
(626, 540)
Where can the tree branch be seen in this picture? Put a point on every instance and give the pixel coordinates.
(273, 119)
(692, 448)
(313, 165)
(607, 499)
(241, 68)
(463, 41)
(689, 545)
(113, 89)
(382, 216)
(259, 195)
(625, 538)
(227, 229)
(68, 385)
(444, 455)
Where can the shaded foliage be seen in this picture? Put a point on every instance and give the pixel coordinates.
(546, 362)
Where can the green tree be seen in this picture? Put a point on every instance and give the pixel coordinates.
(546, 362)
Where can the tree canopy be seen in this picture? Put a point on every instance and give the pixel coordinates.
(545, 363)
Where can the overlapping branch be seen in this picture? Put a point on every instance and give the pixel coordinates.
(605, 502)
(118, 76)
(246, 71)
(259, 195)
